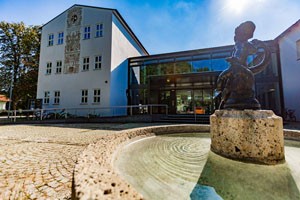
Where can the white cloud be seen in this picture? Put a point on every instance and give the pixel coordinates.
(183, 5)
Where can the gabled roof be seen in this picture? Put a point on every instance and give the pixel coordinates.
(3, 98)
(119, 17)
(290, 29)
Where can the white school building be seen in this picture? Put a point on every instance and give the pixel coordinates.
(83, 59)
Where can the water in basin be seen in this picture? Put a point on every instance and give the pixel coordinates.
(181, 166)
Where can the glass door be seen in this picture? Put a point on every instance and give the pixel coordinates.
(184, 103)
(203, 101)
(167, 98)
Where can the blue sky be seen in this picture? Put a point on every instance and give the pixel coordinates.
(172, 25)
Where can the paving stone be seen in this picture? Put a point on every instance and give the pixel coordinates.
(37, 162)
(32, 156)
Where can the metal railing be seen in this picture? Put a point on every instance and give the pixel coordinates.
(65, 113)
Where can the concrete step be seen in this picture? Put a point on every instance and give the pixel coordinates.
(191, 119)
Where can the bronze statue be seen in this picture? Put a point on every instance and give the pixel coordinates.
(236, 84)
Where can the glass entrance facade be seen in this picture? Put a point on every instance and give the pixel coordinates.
(184, 94)
(198, 101)
(182, 101)
(185, 81)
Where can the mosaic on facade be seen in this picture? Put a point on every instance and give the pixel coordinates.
(72, 48)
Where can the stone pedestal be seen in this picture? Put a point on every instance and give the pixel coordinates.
(248, 135)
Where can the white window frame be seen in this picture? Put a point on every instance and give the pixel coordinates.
(97, 96)
(85, 63)
(87, 32)
(98, 62)
(50, 39)
(56, 97)
(46, 97)
(99, 30)
(58, 67)
(60, 37)
(298, 49)
(84, 96)
(49, 68)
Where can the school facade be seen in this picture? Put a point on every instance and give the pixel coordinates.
(83, 59)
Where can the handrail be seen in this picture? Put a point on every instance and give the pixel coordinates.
(108, 111)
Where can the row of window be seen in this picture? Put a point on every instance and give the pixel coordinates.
(56, 97)
(84, 97)
(60, 39)
(85, 94)
(85, 65)
(86, 34)
(98, 31)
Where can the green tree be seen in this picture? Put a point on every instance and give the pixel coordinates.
(183, 67)
(19, 56)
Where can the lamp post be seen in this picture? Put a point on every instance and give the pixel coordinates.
(10, 92)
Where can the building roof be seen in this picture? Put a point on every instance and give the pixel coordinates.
(218, 52)
(3, 98)
(119, 17)
(290, 29)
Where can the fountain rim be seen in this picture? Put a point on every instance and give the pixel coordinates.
(94, 173)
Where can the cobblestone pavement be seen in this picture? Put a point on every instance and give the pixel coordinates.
(36, 162)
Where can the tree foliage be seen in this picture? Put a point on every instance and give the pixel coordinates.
(19, 56)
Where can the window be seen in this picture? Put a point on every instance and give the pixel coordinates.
(87, 32)
(56, 97)
(46, 97)
(60, 39)
(97, 96)
(298, 49)
(99, 30)
(86, 63)
(58, 67)
(49, 68)
(50, 39)
(84, 96)
(98, 60)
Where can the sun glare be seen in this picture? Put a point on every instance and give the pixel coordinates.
(237, 6)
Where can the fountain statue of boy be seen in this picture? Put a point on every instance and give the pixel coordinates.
(236, 84)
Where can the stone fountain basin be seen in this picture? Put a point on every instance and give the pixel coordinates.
(98, 176)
